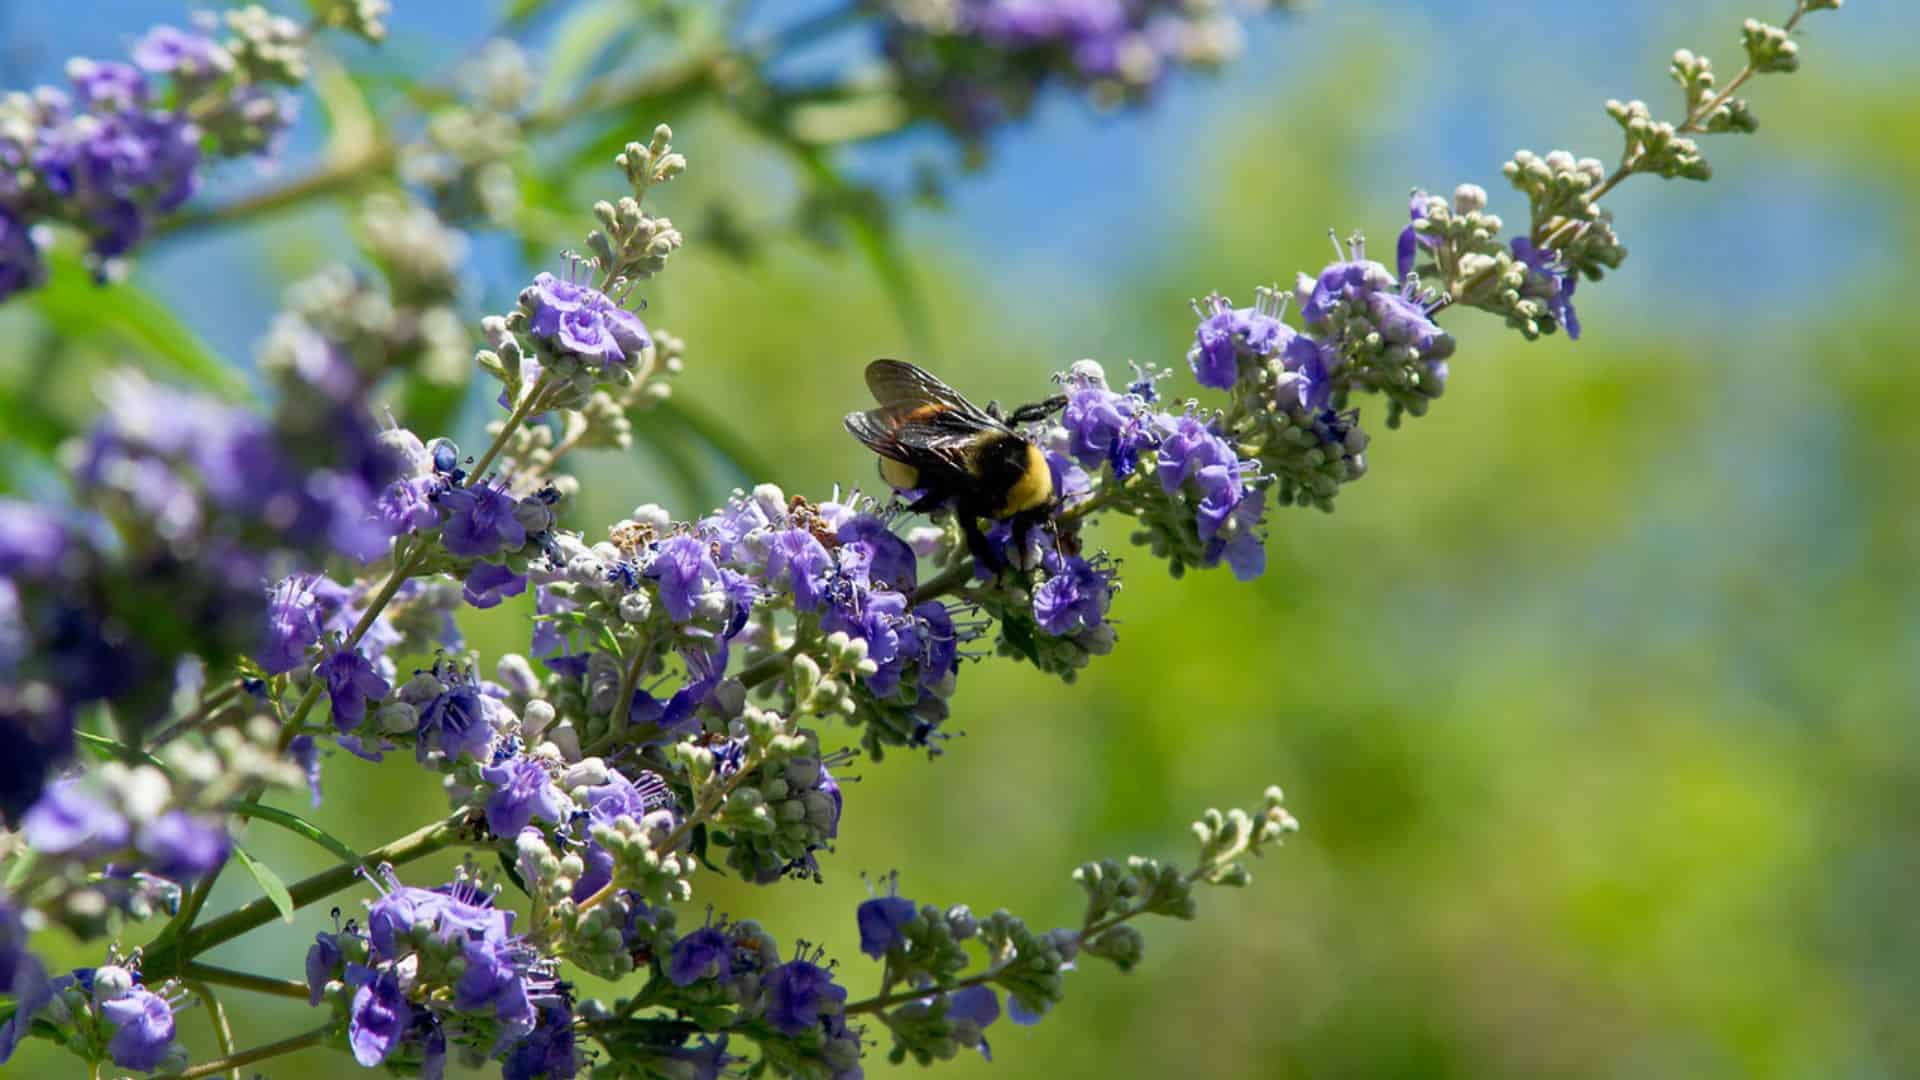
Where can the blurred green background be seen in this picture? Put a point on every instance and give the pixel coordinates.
(1596, 698)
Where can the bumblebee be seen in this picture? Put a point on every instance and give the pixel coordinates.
(933, 441)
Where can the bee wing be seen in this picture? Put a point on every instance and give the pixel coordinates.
(928, 436)
(898, 383)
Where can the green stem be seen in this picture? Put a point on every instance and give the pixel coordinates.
(524, 408)
(353, 170)
(217, 1016)
(168, 958)
(258, 1053)
(1631, 164)
(244, 980)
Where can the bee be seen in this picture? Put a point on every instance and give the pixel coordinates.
(933, 441)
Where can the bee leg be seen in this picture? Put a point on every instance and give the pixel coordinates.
(1039, 410)
(993, 410)
(983, 552)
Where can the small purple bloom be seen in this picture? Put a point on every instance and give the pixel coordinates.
(704, 954)
(492, 983)
(1074, 598)
(1545, 262)
(979, 1005)
(293, 624)
(306, 754)
(489, 583)
(873, 555)
(523, 791)
(1411, 238)
(799, 993)
(115, 85)
(187, 55)
(683, 568)
(182, 847)
(1227, 335)
(380, 1015)
(582, 320)
(69, 821)
(32, 540)
(20, 265)
(351, 680)
(456, 722)
(142, 1029)
(548, 1052)
(1104, 426)
(324, 958)
(882, 922)
(1345, 280)
(480, 519)
(800, 557)
(941, 641)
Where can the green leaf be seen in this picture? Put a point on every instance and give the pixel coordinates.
(125, 313)
(269, 882)
(296, 824)
(17, 873)
(114, 750)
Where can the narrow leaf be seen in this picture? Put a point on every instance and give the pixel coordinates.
(269, 882)
(296, 824)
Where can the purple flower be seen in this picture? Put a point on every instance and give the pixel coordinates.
(871, 554)
(69, 821)
(407, 505)
(20, 265)
(1346, 280)
(1544, 262)
(480, 519)
(20, 975)
(1074, 598)
(182, 847)
(1189, 449)
(493, 982)
(324, 958)
(1308, 376)
(978, 1005)
(456, 722)
(351, 679)
(454, 911)
(293, 624)
(676, 715)
(32, 540)
(118, 86)
(1104, 426)
(549, 1051)
(523, 790)
(167, 49)
(1404, 319)
(798, 556)
(1227, 335)
(379, 1016)
(880, 618)
(142, 1029)
(1411, 238)
(489, 583)
(941, 641)
(306, 754)
(704, 954)
(882, 922)
(799, 993)
(683, 569)
(582, 320)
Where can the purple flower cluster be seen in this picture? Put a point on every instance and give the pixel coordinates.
(69, 820)
(1548, 274)
(578, 320)
(123, 143)
(1229, 507)
(445, 965)
(973, 64)
(1231, 339)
